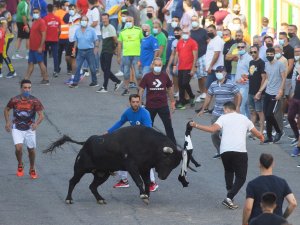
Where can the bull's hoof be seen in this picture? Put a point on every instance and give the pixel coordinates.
(69, 201)
(101, 202)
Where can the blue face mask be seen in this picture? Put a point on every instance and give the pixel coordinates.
(155, 31)
(281, 42)
(157, 69)
(242, 52)
(128, 24)
(26, 94)
(83, 23)
(72, 12)
(219, 76)
(35, 16)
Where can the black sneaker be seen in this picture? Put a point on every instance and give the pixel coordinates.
(294, 142)
(45, 82)
(268, 141)
(278, 136)
(11, 74)
(125, 92)
(192, 102)
(118, 85)
(73, 86)
(102, 90)
(217, 156)
(94, 84)
(229, 203)
(298, 166)
(55, 74)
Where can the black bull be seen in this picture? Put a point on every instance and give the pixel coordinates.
(135, 149)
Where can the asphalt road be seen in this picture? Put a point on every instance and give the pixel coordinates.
(83, 112)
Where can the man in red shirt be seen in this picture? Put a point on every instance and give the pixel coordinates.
(53, 30)
(37, 46)
(186, 56)
(82, 6)
(159, 85)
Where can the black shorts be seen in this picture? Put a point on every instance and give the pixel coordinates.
(69, 48)
(21, 32)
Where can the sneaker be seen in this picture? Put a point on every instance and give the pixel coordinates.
(132, 85)
(94, 84)
(73, 85)
(69, 72)
(153, 186)
(118, 85)
(294, 142)
(295, 152)
(55, 74)
(102, 90)
(85, 72)
(125, 92)
(287, 126)
(1, 75)
(278, 136)
(20, 170)
(33, 174)
(180, 106)
(291, 137)
(122, 184)
(176, 95)
(298, 166)
(217, 156)
(70, 80)
(45, 82)
(268, 141)
(229, 203)
(198, 99)
(17, 56)
(11, 74)
(203, 96)
(119, 74)
(192, 102)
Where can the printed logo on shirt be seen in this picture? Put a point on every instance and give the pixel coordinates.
(157, 83)
(252, 69)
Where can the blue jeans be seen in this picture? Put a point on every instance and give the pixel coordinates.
(97, 58)
(130, 61)
(54, 49)
(145, 70)
(244, 108)
(211, 77)
(89, 56)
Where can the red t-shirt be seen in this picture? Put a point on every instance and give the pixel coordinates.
(35, 38)
(83, 5)
(205, 4)
(2, 39)
(156, 86)
(185, 53)
(52, 24)
(220, 16)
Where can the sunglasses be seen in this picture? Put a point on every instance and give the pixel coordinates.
(254, 52)
(239, 47)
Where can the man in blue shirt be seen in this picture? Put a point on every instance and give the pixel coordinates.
(86, 41)
(135, 115)
(149, 49)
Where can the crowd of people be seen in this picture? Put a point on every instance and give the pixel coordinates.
(161, 47)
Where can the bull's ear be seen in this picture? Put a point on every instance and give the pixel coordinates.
(168, 150)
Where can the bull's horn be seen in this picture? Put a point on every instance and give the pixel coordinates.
(168, 150)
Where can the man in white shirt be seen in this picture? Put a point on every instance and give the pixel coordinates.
(214, 54)
(233, 148)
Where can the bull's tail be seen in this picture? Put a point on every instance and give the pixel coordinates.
(60, 142)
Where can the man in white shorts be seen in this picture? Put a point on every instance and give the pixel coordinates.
(23, 125)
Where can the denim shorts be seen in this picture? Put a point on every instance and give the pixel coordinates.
(255, 106)
(128, 62)
(201, 68)
(35, 57)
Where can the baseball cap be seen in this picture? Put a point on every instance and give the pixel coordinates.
(220, 68)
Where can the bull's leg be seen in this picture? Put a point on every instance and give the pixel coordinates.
(72, 183)
(134, 173)
(99, 178)
(146, 178)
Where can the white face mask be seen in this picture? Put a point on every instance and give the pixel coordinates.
(195, 24)
(219, 76)
(174, 24)
(128, 24)
(72, 12)
(35, 16)
(277, 55)
(157, 69)
(83, 23)
(185, 36)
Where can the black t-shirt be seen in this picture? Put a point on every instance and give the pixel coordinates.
(200, 36)
(256, 68)
(262, 184)
(288, 53)
(268, 219)
(227, 46)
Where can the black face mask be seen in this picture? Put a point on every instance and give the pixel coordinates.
(238, 40)
(177, 37)
(211, 35)
(145, 33)
(291, 35)
(149, 15)
(269, 45)
(270, 58)
(236, 12)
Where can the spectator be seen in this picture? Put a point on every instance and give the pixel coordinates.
(133, 12)
(294, 39)
(257, 40)
(143, 11)
(37, 46)
(52, 34)
(267, 182)
(265, 26)
(113, 19)
(82, 7)
(162, 42)
(221, 14)
(151, 17)
(236, 13)
(228, 43)
(269, 41)
(40, 4)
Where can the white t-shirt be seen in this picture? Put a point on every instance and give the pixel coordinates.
(215, 45)
(94, 15)
(234, 130)
(74, 24)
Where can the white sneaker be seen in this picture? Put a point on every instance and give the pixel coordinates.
(1, 75)
(102, 90)
(17, 56)
(198, 99)
(26, 57)
(119, 74)
(203, 96)
(287, 126)
(176, 95)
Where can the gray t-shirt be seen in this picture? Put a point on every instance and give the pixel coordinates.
(273, 72)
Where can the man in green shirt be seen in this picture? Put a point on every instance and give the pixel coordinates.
(162, 42)
(129, 42)
(23, 26)
(151, 16)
